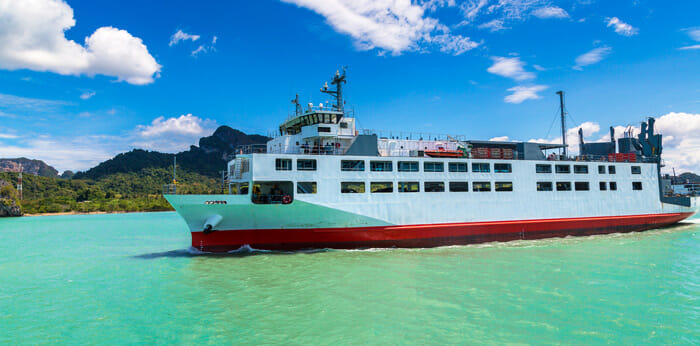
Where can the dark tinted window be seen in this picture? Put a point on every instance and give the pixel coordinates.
(481, 167)
(601, 169)
(283, 164)
(544, 186)
(459, 186)
(380, 166)
(543, 169)
(352, 165)
(433, 167)
(382, 187)
(582, 186)
(352, 187)
(306, 165)
(580, 169)
(503, 186)
(613, 186)
(481, 186)
(636, 185)
(563, 186)
(434, 186)
(611, 169)
(636, 170)
(502, 168)
(458, 167)
(408, 186)
(408, 166)
(563, 169)
(603, 186)
(306, 187)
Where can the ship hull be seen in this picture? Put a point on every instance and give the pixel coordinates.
(426, 235)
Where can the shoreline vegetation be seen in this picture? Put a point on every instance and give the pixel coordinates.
(94, 213)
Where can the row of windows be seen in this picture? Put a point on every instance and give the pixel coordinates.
(580, 169)
(583, 186)
(403, 166)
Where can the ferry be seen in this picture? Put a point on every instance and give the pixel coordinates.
(322, 183)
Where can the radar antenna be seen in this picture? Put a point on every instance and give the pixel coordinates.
(338, 81)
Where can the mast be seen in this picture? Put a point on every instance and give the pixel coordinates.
(297, 106)
(563, 121)
(338, 81)
(19, 182)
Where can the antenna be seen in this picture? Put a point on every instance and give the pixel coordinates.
(19, 182)
(297, 106)
(563, 121)
(174, 165)
(338, 81)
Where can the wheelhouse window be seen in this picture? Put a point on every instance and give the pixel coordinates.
(544, 186)
(563, 169)
(381, 187)
(306, 165)
(283, 164)
(459, 167)
(580, 169)
(603, 186)
(434, 186)
(272, 192)
(582, 186)
(543, 168)
(502, 168)
(380, 166)
(409, 186)
(352, 165)
(481, 186)
(305, 187)
(408, 166)
(503, 186)
(480, 167)
(637, 185)
(601, 169)
(433, 167)
(352, 187)
(611, 169)
(563, 186)
(459, 186)
(613, 186)
(636, 170)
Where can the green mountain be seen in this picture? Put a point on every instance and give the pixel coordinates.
(691, 177)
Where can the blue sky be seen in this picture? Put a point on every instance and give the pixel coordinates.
(83, 80)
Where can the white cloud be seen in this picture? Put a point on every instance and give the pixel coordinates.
(500, 139)
(621, 27)
(697, 46)
(550, 12)
(394, 26)
(493, 26)
(8, 136)
(32, 36)
(206, 48)
(181, 36)
(694, 34)
(172, 134)
(470, 9)
(524, 93)
(86, 95)
(589, 129)
(591, 57)
(511, 68)
(75, 153)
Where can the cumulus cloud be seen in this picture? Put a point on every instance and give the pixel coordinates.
(550, 12)
(182, 36)
(591, 57)
(621, 27)
(172, 134)
(523, 93)
(511, 68)
(388, 25)
(32, 36)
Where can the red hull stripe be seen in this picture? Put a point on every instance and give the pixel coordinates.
(427, 235)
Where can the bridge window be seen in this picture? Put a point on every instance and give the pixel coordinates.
(306, 165)
(459, 167)
(434, 186)
(433, 167)
(352, 187)
(502, 168)
(481, 186)
(580, 169)
(582, 186)
(543, 168)
(382, 187)
(503, 186)
(611, 169)
(544, 186)
(408, 166)
(380, 166)
(478, 167)
(636, 170)
(306, 187)
(613, 186)
(352, 165)
(459, 186)
(283, 164)
(601, 169)
(409, 186)
(563, 186)
(637, 185)
(603, 185)
(563, 169)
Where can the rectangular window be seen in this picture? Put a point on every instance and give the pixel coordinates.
(502, 168)
(409, 186)
(352, 187)
(433, 167)
(408, 166)
(603, 186)
(611, 170)
(543, 168)
(381, 187)
(352, 165)
(242, 189)
(283, 164)
(380, 166)
(324, 129)
(613, 186)
(544, 186)
(563, 169)
(582, 186)
(636, 170)
(306, 187)
(601, 169)
(563, 186)
(481, 167)
(503, 186)
(481, 186)
(306, 165)
(459, 186)
(434, 186)
(459, 167)
(637, 185)
(580, 169)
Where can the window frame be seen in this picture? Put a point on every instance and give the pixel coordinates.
(479, 183)
(635, 184)
(356, 168)
(503, 187)
(402, 188)
(558, 171)
(583, 168)
(582, 186)
(437, 167)
(304, 169)
(280, 167)
(612, 186)
(545, 183)
(508, 170)
(401, 166)
(480, 165)
(359, 183)
(546, 171)
(373, 164)
(450, 165)
(566, 184)
(611, 169)
(601, 169)
(636, 169)
(602, 186)
(314, 187)
(452, 184)
(440, 184)
(389, 183)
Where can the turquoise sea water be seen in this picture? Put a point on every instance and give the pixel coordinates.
(129, 279)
